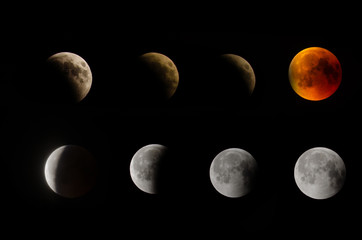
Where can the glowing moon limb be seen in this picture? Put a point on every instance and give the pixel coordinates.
(70, 171)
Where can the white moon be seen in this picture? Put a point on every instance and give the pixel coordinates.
(75, 74)
(232, 172)
(70, 171)
(320, 173)
(145, 166)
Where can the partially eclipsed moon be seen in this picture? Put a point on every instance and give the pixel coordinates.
(238, 73)
(69, 77)
(158, 77)
(232, 172)
(145, 167)
(315, 73)
(320, 173)
(70, 171)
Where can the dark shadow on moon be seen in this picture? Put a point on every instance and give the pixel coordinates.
(34, 138)
(166, 173)
(148, 168)
(49, 82)
(76, 172)
(57, 83)
(221, 84)
(337, 177)
(151, 81)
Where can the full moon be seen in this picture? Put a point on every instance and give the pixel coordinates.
(158, 77)
(239, 73)
(320, 173)
(68, 77)
(145, 167)
(70, 171)
(315, 73)
(233, 172)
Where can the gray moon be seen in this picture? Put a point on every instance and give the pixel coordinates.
(320, 173)
(161, 77)
(233, 172)
(70, 171)
(69, 76)
(145, 167)
(241, 71)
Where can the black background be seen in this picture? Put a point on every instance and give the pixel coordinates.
(275, 125)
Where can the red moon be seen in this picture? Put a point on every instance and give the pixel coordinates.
(315, 73)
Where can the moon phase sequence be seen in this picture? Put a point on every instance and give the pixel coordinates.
(320, 173)
(233, 172)
(70, 171)
(315, 73)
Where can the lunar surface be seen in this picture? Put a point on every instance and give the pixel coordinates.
(158, 77)
(68, 78)
(315, 74)
(233, 172)
(320, 173)
(145, 167)
(70, 171)
(239, 73)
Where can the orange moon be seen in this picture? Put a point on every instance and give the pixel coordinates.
(315, 73)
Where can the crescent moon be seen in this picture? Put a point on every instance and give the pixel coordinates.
(70, 171)
(158, 77)
(240, 70)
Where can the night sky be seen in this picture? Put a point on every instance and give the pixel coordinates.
(275, 125)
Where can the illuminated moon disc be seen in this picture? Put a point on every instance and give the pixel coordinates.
(315, 73)
(145, 167)
(320, 173)
(233, 172)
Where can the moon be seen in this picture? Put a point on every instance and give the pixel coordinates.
(68, 77)
(145, 167)
(233, 172)
(320, 173)
(158, 77)
(70, 171)
(315, 74)
(238, 72)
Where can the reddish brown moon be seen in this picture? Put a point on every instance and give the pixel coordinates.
(315, 74)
